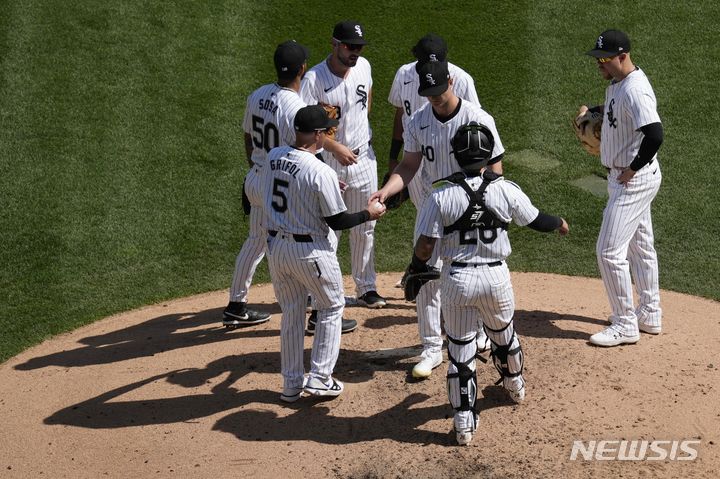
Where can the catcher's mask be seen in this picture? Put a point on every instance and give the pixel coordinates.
(473, 145)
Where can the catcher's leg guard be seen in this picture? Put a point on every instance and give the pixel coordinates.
(508, 360)
(462, 390)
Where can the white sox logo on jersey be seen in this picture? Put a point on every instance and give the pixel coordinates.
(360, 90)
(612, 121)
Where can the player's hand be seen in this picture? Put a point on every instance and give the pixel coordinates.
(344, 155)
(377, 196)
(376, 210)
(343, 186)
(564, 228)
(626, 176)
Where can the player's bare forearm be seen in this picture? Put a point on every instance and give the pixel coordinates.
(424, 247)
(249, 148)
(341, 152)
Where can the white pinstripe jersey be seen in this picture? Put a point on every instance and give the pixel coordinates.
(448, 203)
(349, 94)
(426, 134)
(298, 192)
(404, 90)
(629, 105)
(269, 118)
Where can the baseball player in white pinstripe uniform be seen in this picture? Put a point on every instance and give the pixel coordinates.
(301, 200)
(469, 216)
(406, 100)
(344, 80)
(631, 136)
(268, 123)
(427, 142)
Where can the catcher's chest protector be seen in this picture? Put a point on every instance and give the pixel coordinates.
(476, 216)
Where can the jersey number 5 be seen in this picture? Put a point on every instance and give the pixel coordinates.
(279, 188)
(264, 135)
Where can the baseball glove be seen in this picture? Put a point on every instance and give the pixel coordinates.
(416, 280)
(245, 201)
(332, 113)
(396, 200)
(587, 125)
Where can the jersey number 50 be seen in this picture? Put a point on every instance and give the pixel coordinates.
(264, 135)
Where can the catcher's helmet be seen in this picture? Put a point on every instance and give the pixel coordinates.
(473, 145)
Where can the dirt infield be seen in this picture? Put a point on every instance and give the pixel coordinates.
(166, 391)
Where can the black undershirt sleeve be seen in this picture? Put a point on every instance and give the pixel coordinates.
(345, 220)
(545, 223)
(649, 146)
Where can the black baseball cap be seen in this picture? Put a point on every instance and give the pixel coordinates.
(350, 32)
(433, 78)
(430, 48)
(610, 43)
(313, 118)
(290, 56)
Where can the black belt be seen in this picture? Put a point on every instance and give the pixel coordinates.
(460, 264)
(297, 238)
(357, 150)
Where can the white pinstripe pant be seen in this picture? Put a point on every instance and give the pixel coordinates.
(625, 245)
(297, 269)
(362, 181)
(253, 249)
(477, 293)
(470, 295)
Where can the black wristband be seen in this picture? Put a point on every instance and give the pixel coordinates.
(596, 109)
(395, 148)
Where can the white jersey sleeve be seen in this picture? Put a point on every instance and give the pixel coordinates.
(430, 221)
(327, 188)
(642, 107)
(509, 203)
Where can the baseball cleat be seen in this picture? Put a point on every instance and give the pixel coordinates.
(515, 388)
(237, 314)
(429, 361)
(464, 437)
(291, 395)
(372, 299)
(646, 328)
(612, 337)
(348, 325)
(316, 387)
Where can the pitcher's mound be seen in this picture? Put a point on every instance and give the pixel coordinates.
(167, 391)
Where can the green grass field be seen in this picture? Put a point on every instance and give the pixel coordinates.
(122, 160)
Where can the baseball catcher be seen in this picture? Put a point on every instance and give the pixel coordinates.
(587, 126)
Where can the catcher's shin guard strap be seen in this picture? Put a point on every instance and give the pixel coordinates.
(508, 359)
(462, 384)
